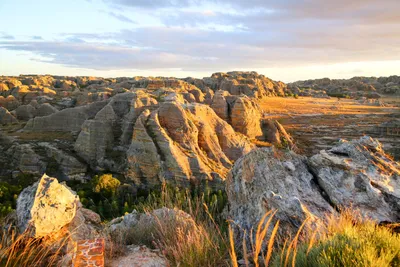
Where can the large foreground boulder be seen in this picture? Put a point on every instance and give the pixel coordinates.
(360, 175)
(352, 175)
(269, 179)
(51, 209)
(45, 207)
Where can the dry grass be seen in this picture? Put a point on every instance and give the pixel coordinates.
(347, 239)
(24, 250)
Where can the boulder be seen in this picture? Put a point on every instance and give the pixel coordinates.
(25, 112)
(359, 174)
(274, 133)
(10, 102)
(45, 207)
(45, 110)
(245, 117)
(6, 117)
(140, 256)
(25, 159)
(269, 179)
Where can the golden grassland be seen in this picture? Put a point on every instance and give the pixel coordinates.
(276, 107)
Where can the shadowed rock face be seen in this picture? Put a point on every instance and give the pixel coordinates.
(6, 117)
(356, 174)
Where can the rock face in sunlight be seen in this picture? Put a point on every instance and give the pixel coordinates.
(6, 117)
(45, 207)
(183, 142)
(51, 209)
(360, 174)
(251, 84)
(356, 174)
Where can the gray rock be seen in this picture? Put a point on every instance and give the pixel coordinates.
(66, 120)
(25, 112)
(70, 167)
(6, 117)
(25, 160)
(359, 174)
(269, 179)
(45, 110)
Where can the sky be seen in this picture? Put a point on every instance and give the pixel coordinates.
(286, 40)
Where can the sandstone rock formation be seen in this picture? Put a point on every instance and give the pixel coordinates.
(6, 117)
(183, 143)
(66, 120)
(251, 84)
(273, 132)
(359, 174)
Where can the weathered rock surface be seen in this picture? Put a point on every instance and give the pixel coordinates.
(25, 159)
(237, 82)
(269, 179)
(45, 110)
(150, 222)
(49, 208)
(67, 120)
(245, 116)
(140, 256)
(25, 112)
(356, 175)
(183, 143)
(70, 168)
(6, 117)
(45, 207)
(274, 133)
(359, 174)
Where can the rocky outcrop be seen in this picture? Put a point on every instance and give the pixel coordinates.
(183, 143)
(25, 112)
(10, 102)
(45, 207)
(356, 175)
(270, 179)
(245, 116)
(251, 84)
(274, 133)
(359, 174)
(241, 112)
(25, 160)
(6, 117)
(96, 136)
(68, 167)
(66, 120)
(45, 110)
(50, 209)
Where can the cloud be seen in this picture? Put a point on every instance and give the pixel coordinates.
(219, 35)
(6, 36)
(37, 37)
(121, 17)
